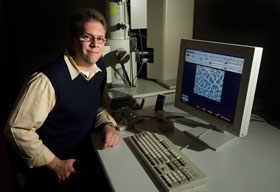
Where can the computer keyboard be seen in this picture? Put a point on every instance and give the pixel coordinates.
(173, 170)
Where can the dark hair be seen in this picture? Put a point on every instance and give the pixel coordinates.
(82, 16)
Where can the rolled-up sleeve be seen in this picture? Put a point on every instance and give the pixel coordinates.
(32, 107)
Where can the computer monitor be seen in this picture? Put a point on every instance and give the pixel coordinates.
(216, 82)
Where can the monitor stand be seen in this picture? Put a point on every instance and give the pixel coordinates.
(207, 134)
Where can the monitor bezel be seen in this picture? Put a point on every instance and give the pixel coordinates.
(252, 57)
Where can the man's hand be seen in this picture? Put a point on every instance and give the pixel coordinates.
(110, 137)
(62, 169)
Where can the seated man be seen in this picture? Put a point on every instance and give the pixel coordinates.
(58, 108)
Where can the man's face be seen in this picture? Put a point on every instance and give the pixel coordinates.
(87, 47)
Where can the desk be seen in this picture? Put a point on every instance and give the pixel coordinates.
(144, 94)
(144, 88)
(250, 164)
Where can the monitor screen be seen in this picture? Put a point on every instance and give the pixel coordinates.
(211, 82)
(216, 82)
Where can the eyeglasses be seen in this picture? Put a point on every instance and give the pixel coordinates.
(89, 38)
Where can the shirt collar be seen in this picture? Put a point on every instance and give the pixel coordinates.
(75, 71)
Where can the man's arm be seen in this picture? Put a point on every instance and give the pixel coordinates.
(33, 105)
(104, 119)
(104, 112)
(35, 101)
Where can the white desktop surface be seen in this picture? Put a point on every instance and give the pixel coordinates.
(250, 164)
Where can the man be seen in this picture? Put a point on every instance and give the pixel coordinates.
(61, 104)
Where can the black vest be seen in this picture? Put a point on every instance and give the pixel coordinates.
(74, 114)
